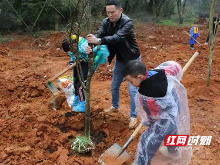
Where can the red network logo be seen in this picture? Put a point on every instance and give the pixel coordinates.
(176, 140)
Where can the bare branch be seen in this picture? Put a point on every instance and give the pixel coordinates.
(39, 15)
(56, 10)
(20, 18)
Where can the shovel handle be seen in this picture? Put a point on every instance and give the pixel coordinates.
(137, 130)
(130, 139)
(62, 72)
(190, 62)
(193, 38)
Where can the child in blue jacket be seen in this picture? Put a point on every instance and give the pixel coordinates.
(101, 54)
(194, 35)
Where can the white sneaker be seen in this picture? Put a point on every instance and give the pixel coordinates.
(206, 43)
(132, 123)
(111, 109)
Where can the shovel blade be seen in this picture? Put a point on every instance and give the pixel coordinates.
(109, 157)
(52, 88)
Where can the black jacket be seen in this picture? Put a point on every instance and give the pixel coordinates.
(119, 39)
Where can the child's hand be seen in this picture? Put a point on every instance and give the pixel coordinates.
(88, 49)
(69, 63)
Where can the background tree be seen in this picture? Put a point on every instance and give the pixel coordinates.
(54, 14)
(181, 4)
(212, 39)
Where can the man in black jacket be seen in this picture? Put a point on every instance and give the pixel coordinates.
(215, 27)
(117, 33)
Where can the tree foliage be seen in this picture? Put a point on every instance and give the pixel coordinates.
(56, 13)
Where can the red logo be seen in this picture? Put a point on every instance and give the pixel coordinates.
(176, 140)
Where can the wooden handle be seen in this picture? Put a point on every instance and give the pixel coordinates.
(137, 130)
(62, 72)
(190, 62)
(193, 38)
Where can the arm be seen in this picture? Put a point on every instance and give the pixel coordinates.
(119, 36)
(101, 32)
(192, 31)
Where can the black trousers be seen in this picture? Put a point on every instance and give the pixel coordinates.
(214, 32)
(77, 85)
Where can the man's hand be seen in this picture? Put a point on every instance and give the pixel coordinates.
(109, 68)
(88, 49)
(91, 39)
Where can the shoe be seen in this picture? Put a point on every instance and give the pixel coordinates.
(163, 150)
(206, 43)
(76, 101)
(192, 48)
(111, 109)
(81, 107)
(133, 123)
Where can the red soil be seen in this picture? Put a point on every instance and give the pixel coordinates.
(31, 133)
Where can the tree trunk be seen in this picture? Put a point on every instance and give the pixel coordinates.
(180, 19)
(135, 5)
(91, 62)
(181, 9)
(212, 41)
(126, 9)
(155, 11)
(56, 22)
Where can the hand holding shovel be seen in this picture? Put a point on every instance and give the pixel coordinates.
(51, 86)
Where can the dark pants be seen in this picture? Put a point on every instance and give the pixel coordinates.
(152, 139)
(214, 32)
(191, 45)
(77, 85)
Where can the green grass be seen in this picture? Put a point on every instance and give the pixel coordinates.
(4, 40)
(172, 23)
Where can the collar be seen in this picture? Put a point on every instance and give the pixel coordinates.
(154, 86)
(112, 24)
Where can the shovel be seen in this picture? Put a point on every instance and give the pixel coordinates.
(51, 86)
(192, 38)
(117, 155)
(200, 45)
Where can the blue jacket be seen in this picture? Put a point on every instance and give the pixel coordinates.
(195, 34)
(101, 53)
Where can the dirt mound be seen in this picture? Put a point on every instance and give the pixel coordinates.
(202, 21)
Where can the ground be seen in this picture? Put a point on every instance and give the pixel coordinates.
(32, 133)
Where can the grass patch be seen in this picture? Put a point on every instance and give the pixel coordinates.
(173, 23)
(4, 40)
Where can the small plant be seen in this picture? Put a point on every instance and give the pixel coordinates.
(82, 145)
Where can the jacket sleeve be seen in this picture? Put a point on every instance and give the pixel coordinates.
(101, 32)
(192, 31)
(120, 35)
